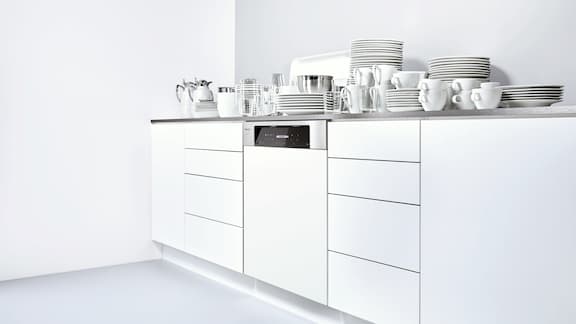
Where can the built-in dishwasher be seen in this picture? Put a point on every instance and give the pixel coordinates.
(285, 205)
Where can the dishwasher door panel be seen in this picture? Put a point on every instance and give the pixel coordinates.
(285, 214)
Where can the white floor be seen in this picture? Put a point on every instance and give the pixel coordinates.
(154, 292)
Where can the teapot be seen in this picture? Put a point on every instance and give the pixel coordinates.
(202, 92)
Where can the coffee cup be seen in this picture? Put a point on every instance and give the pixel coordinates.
(489, 85)
(459, 85)
(378, 96)
(433, 100)
(357, 98)
(488, 98)
(407, 79)
(383, 73)
(364, 77)
(463, 100)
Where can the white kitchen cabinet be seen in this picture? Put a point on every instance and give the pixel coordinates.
(380, 231)
(216, 199)
(168, 184)
(499, 221)
(376, 140)
(222, 136)
(285, 219)
(391, 181)
(216, 242)
(372, 291)
(218, 164)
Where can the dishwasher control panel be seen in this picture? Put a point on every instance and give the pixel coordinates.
(282, 136)
(297, 134)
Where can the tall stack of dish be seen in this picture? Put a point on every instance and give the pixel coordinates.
(366, 53)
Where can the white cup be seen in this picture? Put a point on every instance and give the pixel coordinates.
(226, 104)
(356, 97)
(489, 85)
(378, 96)
(463, 100)
(364, 77)
(383, 73)
(431, 84)
(487, 98)
(459, 85)
(433, 100)
(407, 79)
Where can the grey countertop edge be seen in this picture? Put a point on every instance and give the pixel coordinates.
(536, 112)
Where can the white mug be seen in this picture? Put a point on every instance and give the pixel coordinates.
(463, 100)
(356, 97)
(488, 98)
(407, 79)
(383, 73)
(433, 100)
(364, 77)
(459, 85)
(378, 96)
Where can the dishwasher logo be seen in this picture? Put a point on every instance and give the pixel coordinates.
(282, 136)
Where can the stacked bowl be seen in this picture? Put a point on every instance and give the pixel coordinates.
(537, 95)
(365, 53)
(401, 100)
(449, 68)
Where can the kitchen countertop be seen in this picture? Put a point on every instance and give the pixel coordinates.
(536, 112)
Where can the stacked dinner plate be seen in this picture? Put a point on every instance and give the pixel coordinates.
(399, 100)
(370, 52)
(459, 67)
(300, 103)
(537, 95)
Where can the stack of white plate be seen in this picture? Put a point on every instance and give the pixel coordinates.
(459, 67)
(300, 103)
(370, 52)
(537, 95)
(399, 100)
(204, 109)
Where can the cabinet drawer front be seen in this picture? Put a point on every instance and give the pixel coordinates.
(214, 136)
(371, 291)
(220, 164)
(215, 242)
(377, 140)
(391, 181)
(216, 199)
(384, 232)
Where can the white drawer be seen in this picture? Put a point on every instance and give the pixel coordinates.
(220, 164)
(224, 136)
(385, 232)
(391, 181)
(376, 140)
(216, 199)
(372, 291)
(216, 242)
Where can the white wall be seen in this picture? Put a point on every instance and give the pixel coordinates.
(529, 41)
(79, 82)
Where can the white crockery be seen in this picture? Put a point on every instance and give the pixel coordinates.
(459, 85)
(463, 100)
(407, 79)
(433, 100)
(356, 97)
(486, 98)
(364, 77)
(383, 73)
(378, 96)
(489, 85)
